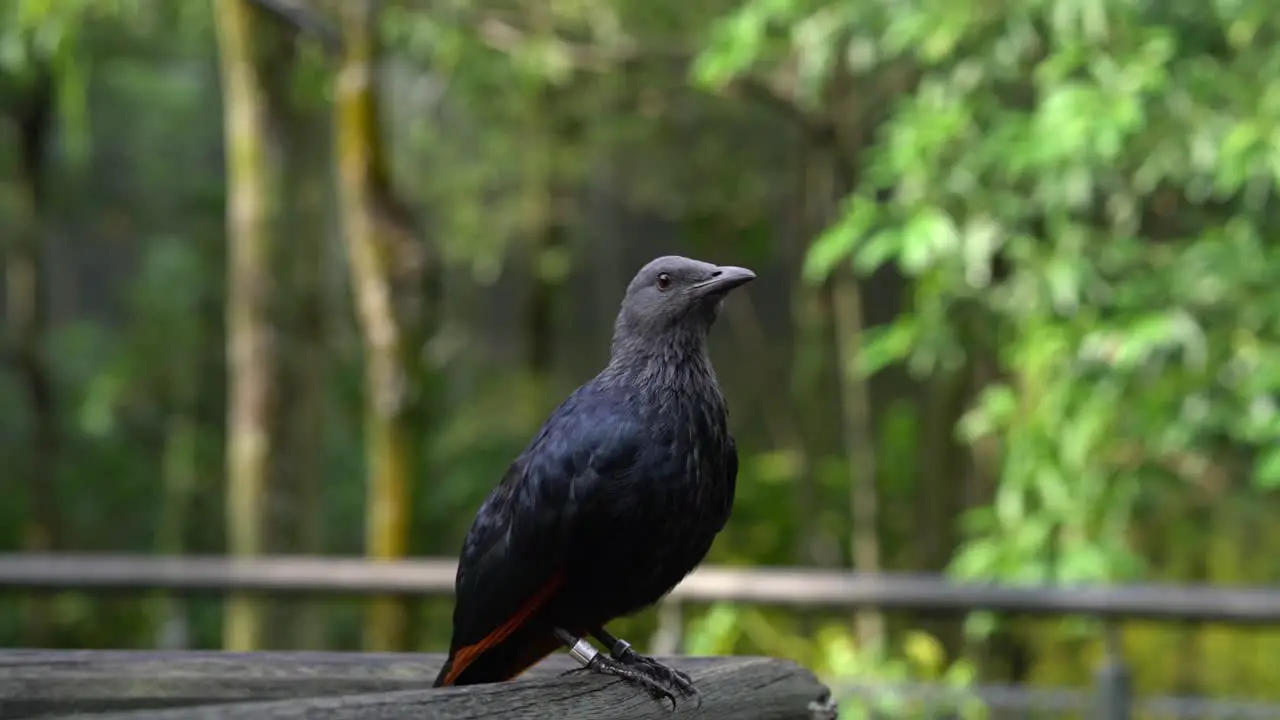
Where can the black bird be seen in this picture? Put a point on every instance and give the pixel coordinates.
(616, 499)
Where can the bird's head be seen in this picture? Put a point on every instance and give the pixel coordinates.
(673, 294)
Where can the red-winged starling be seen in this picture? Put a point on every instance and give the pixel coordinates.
(615, 500)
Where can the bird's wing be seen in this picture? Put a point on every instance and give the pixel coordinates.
(512, 560)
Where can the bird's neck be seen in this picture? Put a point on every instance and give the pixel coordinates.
(676, 357)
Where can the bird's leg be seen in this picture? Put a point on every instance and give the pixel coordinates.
(593, 661)
(622, 651)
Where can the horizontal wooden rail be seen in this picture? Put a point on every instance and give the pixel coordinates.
(150, 685)
(799, 587)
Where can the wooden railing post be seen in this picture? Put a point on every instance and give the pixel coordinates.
(1113, 683)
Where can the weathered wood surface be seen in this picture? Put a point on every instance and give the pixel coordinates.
(145, 685)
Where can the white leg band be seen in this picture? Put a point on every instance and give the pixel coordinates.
(583, 652)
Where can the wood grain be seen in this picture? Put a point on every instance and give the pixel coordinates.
(145, 685)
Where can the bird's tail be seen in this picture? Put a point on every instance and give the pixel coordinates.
(502, 661)
(509, 649)
(441, 679)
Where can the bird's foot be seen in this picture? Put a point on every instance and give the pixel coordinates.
(677, 679)
(636, 674)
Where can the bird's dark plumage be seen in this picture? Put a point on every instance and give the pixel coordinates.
(618, 496)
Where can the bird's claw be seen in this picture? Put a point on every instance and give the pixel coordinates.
(643, 675)
(665, 674)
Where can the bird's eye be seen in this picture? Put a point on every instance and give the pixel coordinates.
(664, 281)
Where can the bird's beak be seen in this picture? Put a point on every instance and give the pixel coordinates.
(724, 279)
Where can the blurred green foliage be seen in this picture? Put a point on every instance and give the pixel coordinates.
(1119, 160)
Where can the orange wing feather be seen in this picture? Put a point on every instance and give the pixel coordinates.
(467, 655)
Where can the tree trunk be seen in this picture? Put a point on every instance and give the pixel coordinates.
(855, 402)
(307, 423)
(824, 188)
(311, 197)
(251, 205)
(850, 115)
(944, 465)
(806, 365)
(28, 320)
(372, 235)
(1001, 650)
(301, 122)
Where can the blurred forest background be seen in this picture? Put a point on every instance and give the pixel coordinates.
(279, 292)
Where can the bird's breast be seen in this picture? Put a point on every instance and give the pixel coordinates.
(661, 522)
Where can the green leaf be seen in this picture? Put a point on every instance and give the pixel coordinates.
(979, 625)
(1266, 472)
(994, 410)
(736, 42)
(982, 240)
(877, 250)
(840, 240)
(716, 632)
(1084, 563)
(1063, 280)
(1011, 505)
(883, 345)
(830, 249)
(977, 560)
(929, 235)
